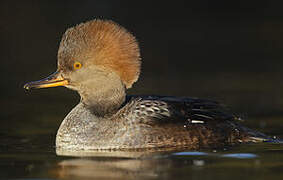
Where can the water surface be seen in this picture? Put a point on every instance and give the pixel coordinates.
(27, 154)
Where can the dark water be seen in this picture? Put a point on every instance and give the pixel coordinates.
(29, 154)
(210, 49)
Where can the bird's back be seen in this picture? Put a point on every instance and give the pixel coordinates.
(163, 121)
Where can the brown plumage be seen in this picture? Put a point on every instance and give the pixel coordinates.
(100, 59)
(105, 44)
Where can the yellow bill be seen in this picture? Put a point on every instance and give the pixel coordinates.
(53, 80)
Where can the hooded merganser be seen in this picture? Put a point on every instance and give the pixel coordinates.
(100, 60)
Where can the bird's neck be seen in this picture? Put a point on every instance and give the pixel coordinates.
(105, 100)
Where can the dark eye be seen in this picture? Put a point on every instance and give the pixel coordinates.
(77, 65)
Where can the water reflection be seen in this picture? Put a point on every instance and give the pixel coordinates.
(247, 160)
(112, 168)
(190, 153)
(240, 155)
(154, 167)
(33, 155)
(144, 165)
(123, 164)
(232, 155)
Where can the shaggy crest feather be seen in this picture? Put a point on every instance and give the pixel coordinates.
(107, 44)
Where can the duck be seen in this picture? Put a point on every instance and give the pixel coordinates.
(101, 60)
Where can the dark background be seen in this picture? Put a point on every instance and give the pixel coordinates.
(230, 51)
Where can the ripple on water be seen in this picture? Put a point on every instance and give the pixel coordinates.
(240, 155)
(190, 153)
(231, 155)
